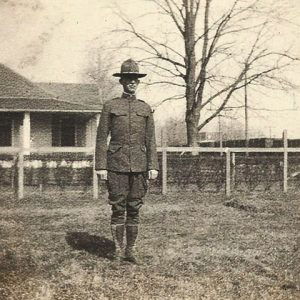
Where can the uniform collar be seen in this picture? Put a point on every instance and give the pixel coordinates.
(129, 96)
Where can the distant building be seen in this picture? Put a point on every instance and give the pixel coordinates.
(205, 136)
(253, 142)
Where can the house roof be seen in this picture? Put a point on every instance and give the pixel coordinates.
(79, 93)
(14, 85)
(17, 93)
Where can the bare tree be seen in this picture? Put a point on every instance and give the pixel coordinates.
(99, 71)
(175, 130)
(216, 52)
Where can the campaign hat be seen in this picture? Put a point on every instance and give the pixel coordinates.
(130, 68)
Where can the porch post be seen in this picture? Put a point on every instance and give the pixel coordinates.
(97, 119)
(25, 144)
(26, 132)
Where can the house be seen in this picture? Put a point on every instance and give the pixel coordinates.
(35, 115)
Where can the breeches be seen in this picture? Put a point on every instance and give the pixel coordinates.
(126, 192)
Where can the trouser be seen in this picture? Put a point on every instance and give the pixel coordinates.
(126, 192)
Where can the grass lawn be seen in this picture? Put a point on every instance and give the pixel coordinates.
(191, 246)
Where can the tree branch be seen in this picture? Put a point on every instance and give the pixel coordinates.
(171, 13)
(175, 97)
(148, 41)
(178, 74)
(165, 82)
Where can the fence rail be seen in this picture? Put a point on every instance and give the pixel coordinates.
(230, 155)
(19, 153)
(15, 150)
(224, 150)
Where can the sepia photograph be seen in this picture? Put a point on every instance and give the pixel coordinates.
(149, 149)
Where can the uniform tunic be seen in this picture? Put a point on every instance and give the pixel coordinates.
(132, 146)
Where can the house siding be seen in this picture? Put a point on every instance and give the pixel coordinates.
(16, 138)
(81, 134)
(41, 134)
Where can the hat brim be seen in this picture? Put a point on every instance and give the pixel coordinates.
(131, 74)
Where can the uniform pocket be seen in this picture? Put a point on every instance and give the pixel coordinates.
(142, 113)
(118, 112)
(114, 148)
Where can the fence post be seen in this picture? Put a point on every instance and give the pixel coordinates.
(233, 170)
(285, 161)
(164, 162)
(21, 175)
(228, 192)
(14, 174)
(164, 171)
(95, 181)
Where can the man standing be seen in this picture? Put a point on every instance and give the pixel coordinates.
(129, 159)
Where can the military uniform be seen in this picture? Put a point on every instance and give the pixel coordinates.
(129, 155)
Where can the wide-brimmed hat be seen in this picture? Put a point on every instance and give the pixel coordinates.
(131, 68)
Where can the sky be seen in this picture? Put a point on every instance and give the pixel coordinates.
(51, 40)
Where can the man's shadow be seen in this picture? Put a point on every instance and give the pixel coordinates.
(96, 245)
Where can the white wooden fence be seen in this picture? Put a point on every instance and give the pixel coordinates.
(19, 152)
(230, 153)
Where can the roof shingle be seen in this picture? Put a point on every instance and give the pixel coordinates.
(80, 93)
(14, 85)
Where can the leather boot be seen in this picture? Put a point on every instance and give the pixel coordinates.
(118, 237)
(131, 236)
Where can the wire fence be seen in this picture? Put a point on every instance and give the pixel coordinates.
(246, 171)
(197, 168)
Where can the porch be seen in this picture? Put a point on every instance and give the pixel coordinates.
(48, 129)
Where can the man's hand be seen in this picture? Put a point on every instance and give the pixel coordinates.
(152, 174)
(102, 174)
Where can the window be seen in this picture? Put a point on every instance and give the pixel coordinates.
(67, 128)
(63, 132)
(5, 131)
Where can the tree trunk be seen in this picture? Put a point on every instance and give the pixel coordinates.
(192, 122)
(190, 76)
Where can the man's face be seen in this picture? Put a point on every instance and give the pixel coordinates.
(129, 83)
